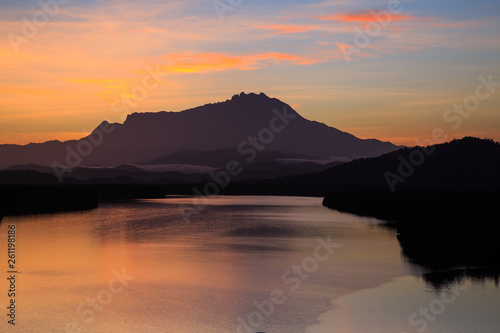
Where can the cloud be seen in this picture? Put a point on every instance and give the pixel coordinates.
(367, 16)
(182, 168)
(286, 28)
(67, 77)
(211, 62)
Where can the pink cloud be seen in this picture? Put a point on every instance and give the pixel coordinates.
(367, 16)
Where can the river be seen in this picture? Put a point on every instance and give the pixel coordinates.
(242, 264)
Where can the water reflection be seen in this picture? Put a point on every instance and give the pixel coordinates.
(438, 230)
(202, 276)
(451, 257)
(446, 278)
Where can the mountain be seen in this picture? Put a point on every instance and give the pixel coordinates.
(250, 122)
(465, 164)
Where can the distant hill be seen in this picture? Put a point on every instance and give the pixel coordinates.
(30, 166)
(466, 164)
(158, 174)
(443, 206)
(144, 137)
(26, 177)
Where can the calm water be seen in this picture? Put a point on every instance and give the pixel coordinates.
(140, 267)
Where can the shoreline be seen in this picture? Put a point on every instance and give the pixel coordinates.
(394, 307)
(433, 226)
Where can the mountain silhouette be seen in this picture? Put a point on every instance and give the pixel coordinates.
(144, 137)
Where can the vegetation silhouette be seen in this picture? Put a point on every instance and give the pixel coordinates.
(444, 213)
(468, 163)
(36, 199)
(33, 192)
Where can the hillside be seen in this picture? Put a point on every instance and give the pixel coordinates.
(469, 163)
(249, 122)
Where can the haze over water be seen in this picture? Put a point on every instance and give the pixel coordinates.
(139, 267)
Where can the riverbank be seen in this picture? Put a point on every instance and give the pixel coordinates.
(439, 229)
(38, 199)
(35, 199)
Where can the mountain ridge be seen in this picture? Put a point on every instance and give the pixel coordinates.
(145, 136)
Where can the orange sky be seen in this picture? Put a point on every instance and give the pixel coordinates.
(66, 77)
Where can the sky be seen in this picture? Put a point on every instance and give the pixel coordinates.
(393, 70)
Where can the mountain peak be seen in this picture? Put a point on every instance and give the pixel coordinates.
(251, 95)
(235, 122)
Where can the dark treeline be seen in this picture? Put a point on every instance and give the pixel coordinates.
(468, 163)
(111, 192)
(34, 199)
(436, 229)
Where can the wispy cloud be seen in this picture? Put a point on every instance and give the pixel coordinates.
(286, 28)
(366, 16)
(209, 62)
